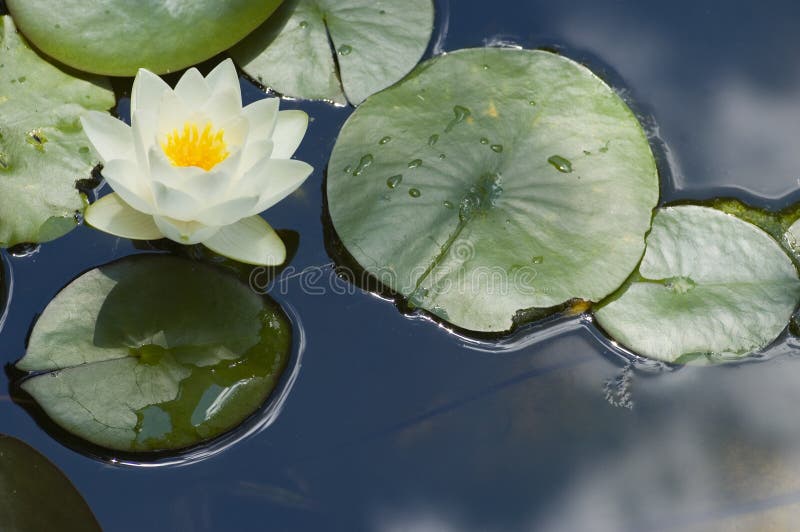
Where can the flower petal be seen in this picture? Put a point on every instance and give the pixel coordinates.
(273, 180)
(222, 106)
(290, 129)
(254, 152)
(126, 178)
(230, 211)
(262, 116)
(172, 115)
(112, 215)
(251, 241)
(174, 203)
(147, 91)
(184, 232)
(224, 78)
(111, 138)
(193, 89)
(166, 173)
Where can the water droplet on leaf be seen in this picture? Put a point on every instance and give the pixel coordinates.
(561, 164)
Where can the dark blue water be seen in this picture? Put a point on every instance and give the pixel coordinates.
(394, 424)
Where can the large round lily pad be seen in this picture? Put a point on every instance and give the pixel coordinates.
(492, 181)
(375, 44)
(43, 150)
(35, 495)
(117, 37)
(155, 353)
(710, 287)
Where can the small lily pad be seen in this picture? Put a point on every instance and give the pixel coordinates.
(155, 353)
(43, 150)
(35, 495)
(494, 181)
(375, 44)
(117, 37)
(710, 287)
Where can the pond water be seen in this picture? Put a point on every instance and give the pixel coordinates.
(395, 424)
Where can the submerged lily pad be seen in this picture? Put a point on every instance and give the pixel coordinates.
(710, 287)
(155, 353)
(375, 43)
(43, 150)
(492, 181)
(117, 37)
(35, 495)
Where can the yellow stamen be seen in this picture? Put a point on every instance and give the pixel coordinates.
(191, 147)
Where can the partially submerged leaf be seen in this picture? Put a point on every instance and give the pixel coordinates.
(492, 181)
(35, 495)
(155, 353)
(117, 37)
(375, 43)
(43, 150)
(710, 287)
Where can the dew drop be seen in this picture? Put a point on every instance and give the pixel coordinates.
(538, 259)
(363, 164)
(414, 192)
(532, 103)
(561, 164)
(304, 24)
(461, 113)
(604, 149)
(485, 67)
(5, 163)
(497, 148)
(448, 204)
(385, 140)
(348, 169)
(36, 138)
(393, 181)
(83, 149)
(442, 156)
(345, 49)
(433, 140)
(416, 163)
(484, 141)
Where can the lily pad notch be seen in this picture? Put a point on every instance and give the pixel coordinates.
(337, 50)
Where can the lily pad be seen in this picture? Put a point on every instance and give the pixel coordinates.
(117, 37)
(35, 495)
(494, 181)
(375, 44)
(710, 287)
(43, 150)
(155, 353)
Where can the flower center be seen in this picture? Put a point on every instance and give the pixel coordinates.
(193, 147)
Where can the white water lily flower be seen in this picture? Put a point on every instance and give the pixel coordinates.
(196, 167)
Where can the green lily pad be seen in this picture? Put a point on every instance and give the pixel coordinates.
(494, 181)
(375, 43)
(155, 353)
(117, 37)
(711, 287)
(35, 495)
(43, 149)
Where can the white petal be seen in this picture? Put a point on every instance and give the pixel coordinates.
(172, 115)
(147, 91)
(127, 180)
(262, 116)
(229, 211)
(184, 232)
(225, 78)
(143, 129)
(251, 241)
(254, 152)
(174, 203)
(193, 89)
(290, 129)
(111, 138)
(237, 131)
(112, 215)
(273, 180)
(222, 107)
(207, 187)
